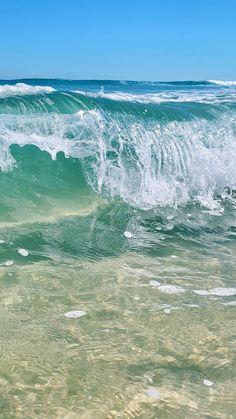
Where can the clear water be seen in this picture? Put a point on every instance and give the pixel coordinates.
(152, 331)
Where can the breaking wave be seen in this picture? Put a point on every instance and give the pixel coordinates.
(147, 153)
(23, 89)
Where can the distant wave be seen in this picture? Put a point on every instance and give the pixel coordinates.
(223, 82)
(201, 97)
(23, 89)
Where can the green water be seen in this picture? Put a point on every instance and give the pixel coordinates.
(96, 322)
(132, 338)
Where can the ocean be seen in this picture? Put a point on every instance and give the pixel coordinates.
(117, 249)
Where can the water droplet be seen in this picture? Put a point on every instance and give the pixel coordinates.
(74, 314)
(219, 292)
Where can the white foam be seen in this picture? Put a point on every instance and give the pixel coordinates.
(208, 383)
(23, 252)
(163, 97)
(219, 292)
(9, 263)
(201, 292)
(223, 291)
(128, 235)
(229, 303)
(171, 289)
(23, 89)
(74, 314)
(223, 82)
(167, 311)
(2, 241)
(154, 393)
(154, 283)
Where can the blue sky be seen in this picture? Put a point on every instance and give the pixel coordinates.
(118, 39)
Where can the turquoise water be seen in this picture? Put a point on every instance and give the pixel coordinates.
(117, 249)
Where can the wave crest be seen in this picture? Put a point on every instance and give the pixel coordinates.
(144, 162)
(23, 89)
(223, 82)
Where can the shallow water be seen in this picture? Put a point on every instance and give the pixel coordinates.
(96, 323)
(134, 335)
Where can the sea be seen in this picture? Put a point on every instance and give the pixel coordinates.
(117, 249)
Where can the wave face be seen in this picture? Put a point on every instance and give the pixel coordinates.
(150, 144)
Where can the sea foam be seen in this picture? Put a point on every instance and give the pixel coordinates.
(23, 89)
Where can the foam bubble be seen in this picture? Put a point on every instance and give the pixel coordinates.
(154, 283)
(2, 241)
(128, 235)
(74, 314)
(154, 393)
(9, 263)
(208, 383)
(23, 252)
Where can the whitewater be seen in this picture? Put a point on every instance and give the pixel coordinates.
(149, 143)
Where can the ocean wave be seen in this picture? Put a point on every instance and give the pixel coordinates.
(144, 162)
(223, 82)
(164, 97)
(23, 89)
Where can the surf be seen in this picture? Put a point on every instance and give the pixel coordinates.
(151, 149)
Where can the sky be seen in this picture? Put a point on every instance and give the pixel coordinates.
(118, 39)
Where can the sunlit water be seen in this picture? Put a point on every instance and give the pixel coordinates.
(116, 302)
